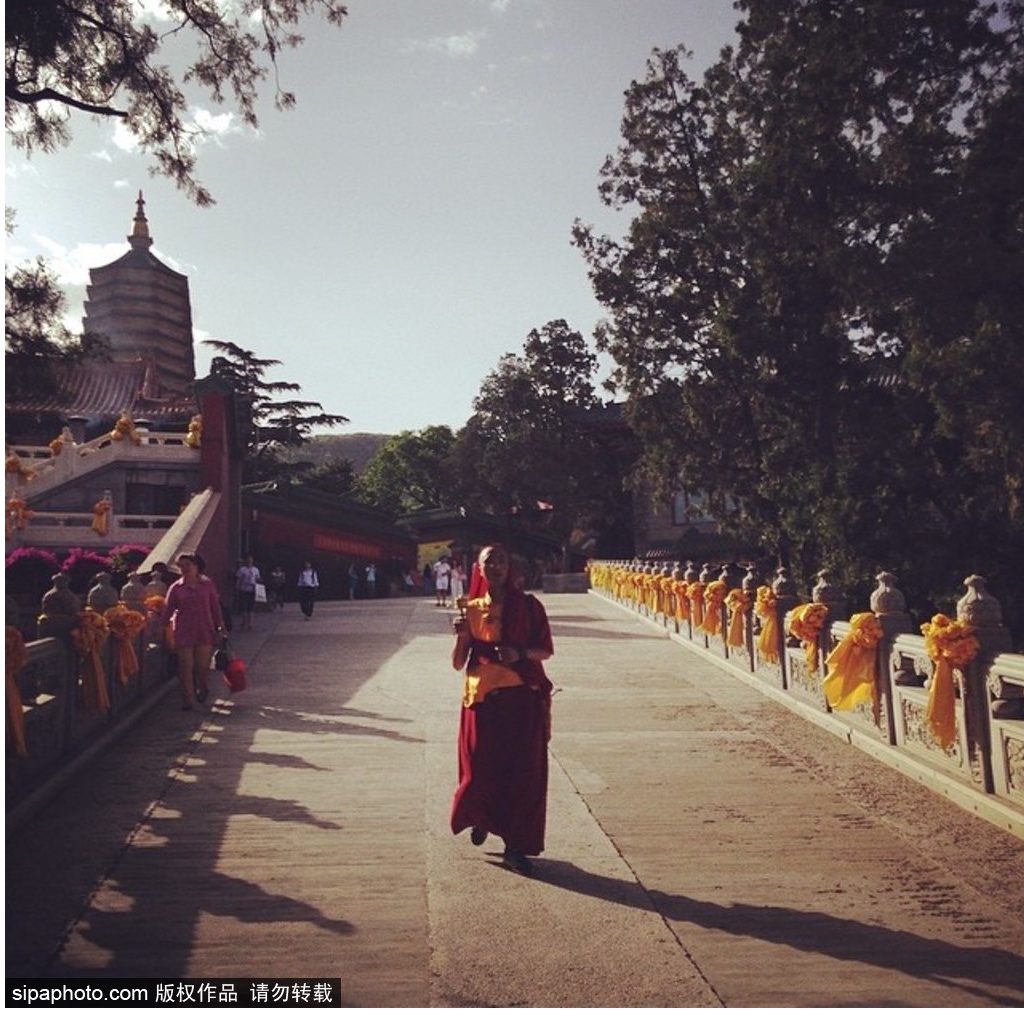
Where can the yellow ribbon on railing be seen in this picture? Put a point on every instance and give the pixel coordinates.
(125, 624)
(665, 590)
(950, 644)
(738, 604)
(18, 515)
(89, 637)
(765, 609)
(851, 677)
(805, 623)
(714, 598)
(17, 656)
(101, 516)
(681, 588)
(695, 592)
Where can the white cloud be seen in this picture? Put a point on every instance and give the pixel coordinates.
(124, 138)
(209, 127)
(462, 44)
(155, 11)
(71, 266)
(14, 169)
(216, 125)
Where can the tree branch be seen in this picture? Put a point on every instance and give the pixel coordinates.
(12, 92)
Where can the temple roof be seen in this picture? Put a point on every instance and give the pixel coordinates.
(330, 510)
(99, 390)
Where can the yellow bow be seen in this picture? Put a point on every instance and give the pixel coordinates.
(738, 604)
(125, 624)
(89, 638)
(950, 644)
(851, 677)
(768, 640)
(805, 623)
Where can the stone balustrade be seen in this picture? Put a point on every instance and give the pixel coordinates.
(764, 633)
(58, 726)
(60, 529)
(32, 469)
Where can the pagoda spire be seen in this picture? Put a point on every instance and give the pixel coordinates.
(139, 238)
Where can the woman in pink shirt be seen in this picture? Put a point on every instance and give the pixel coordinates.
(194, 613)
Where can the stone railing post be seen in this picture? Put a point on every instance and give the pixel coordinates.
(690, 575)
(980, 610)
(749, 587)
(707, 575)
(785, 601)
(831, 595)
(676, 575)
(890, 609)
(665, 592)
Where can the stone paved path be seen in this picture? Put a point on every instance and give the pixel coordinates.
(706, 847)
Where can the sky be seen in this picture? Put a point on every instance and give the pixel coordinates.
(409, 222)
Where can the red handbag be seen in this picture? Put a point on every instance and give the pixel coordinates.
(234, 675)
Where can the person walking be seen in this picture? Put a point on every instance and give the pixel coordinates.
(505, 723)
(457, 582)
(278, 581)
(309, 584)
(353, 581)
(246, 578)
(371, 580)
(193, 612)
(442, 577)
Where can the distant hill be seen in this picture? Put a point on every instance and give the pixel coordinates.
(357, 448)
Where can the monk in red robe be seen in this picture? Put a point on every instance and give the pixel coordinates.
(501, 641)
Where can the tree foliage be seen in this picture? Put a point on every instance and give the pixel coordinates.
(816, 292)
(526, 449)
(107, 59)
(271, 426)
(334, 476)
(112, 59)
(412, 472)
(36, 342)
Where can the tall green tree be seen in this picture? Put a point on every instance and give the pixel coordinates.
(112, 59)
(761, 303)
(271, 427)
(525, 449)
(411, 472)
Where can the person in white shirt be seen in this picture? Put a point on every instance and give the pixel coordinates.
(309, 584)
(246, 579)
(457, 584)
(442, 576)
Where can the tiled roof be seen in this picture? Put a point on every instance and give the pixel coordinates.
(311, 505)
(107, 389)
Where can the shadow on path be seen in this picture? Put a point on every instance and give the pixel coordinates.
(964, 968)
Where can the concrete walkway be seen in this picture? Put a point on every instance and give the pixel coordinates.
(706, 847)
